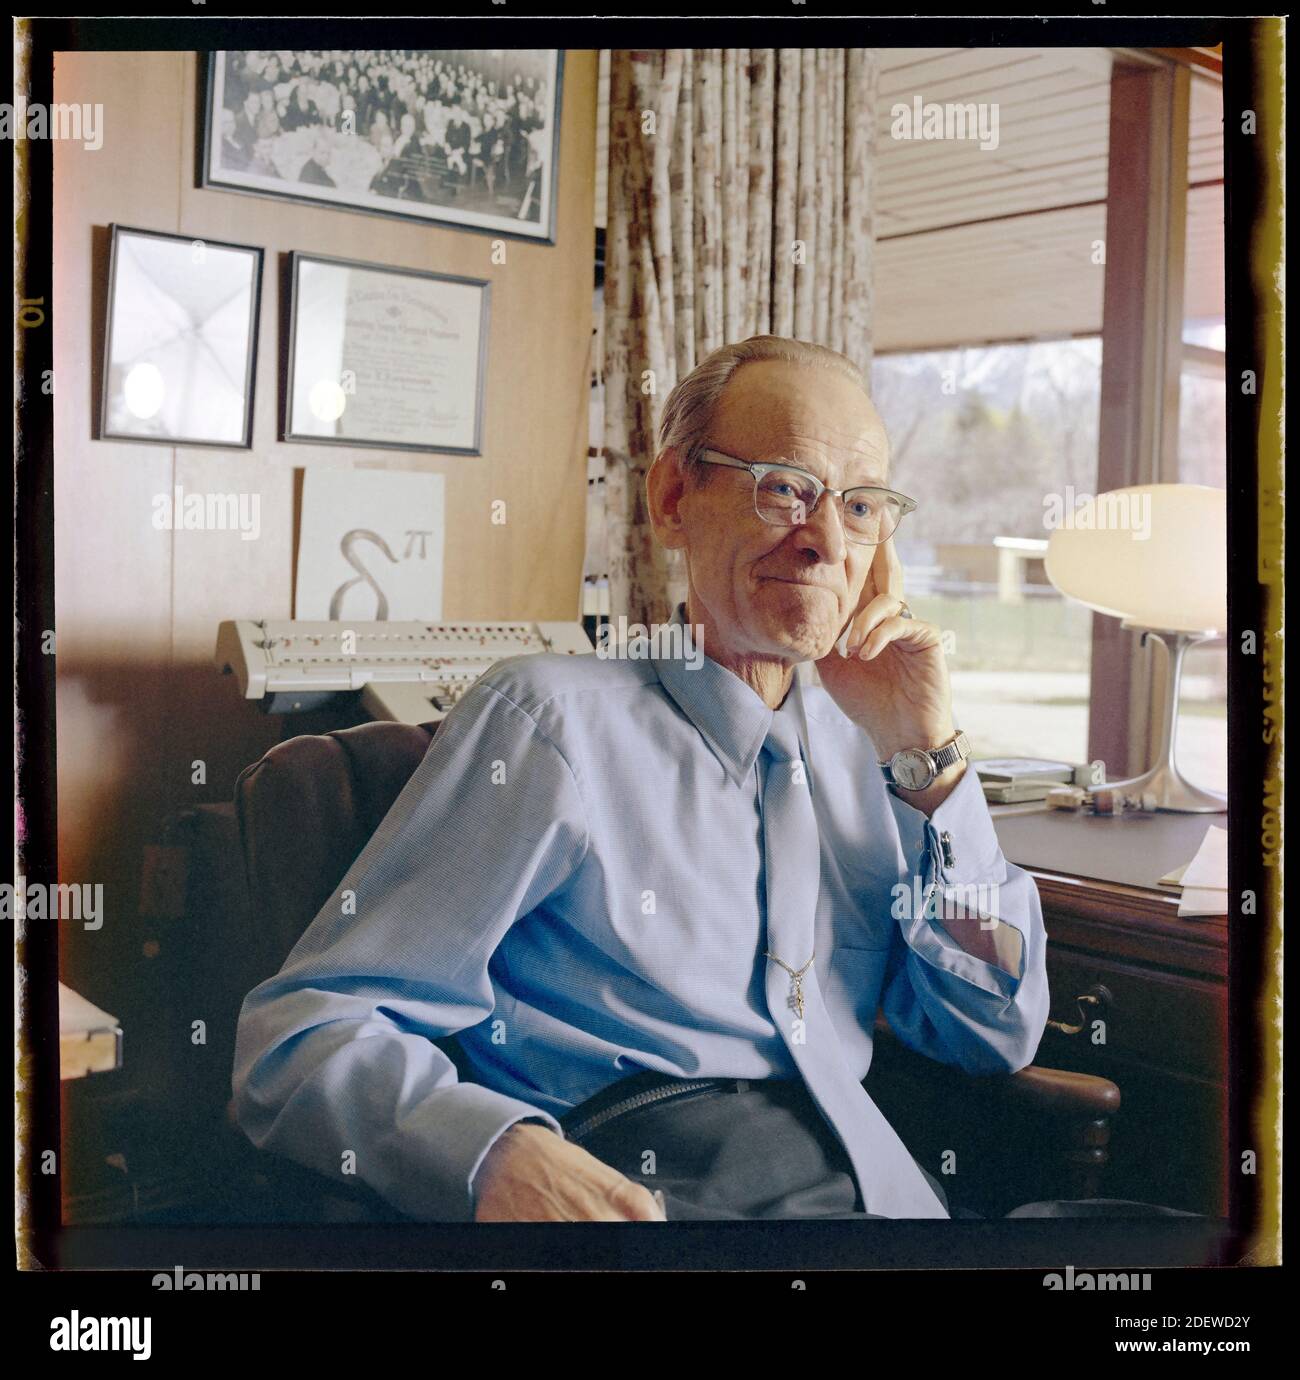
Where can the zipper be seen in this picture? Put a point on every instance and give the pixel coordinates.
(643, 1099)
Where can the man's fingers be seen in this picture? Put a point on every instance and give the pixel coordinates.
(886, 573)
(910, 630)
(891, 582)
(882, 607)
(882, 594)
(621, 1199)
(635, 1204)
(533, 1175)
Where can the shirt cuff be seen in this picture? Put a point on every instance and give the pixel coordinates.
(958, 836)
(956, 851)
(472, 1126)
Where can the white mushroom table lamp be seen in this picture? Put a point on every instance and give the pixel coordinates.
(1154, 556)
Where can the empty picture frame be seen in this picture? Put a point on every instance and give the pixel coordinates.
(180, 341)
(385, 357)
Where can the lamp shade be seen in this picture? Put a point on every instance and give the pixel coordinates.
(1155, 555)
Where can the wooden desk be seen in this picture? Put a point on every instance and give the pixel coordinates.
(1164, 1011)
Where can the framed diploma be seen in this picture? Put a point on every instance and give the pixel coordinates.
(387, 357)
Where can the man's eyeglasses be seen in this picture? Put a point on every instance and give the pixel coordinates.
(787, 497)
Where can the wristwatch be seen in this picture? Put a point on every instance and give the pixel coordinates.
(913, 769)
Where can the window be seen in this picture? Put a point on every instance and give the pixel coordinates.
(1202, 746)
(984, 438)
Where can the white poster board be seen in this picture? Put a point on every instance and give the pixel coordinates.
(370, 546)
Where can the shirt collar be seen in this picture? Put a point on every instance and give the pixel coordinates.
(730, 717)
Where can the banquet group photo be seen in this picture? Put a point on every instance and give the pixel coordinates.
(465, 130)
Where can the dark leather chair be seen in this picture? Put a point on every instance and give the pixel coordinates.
(303, 813)
(307, 809)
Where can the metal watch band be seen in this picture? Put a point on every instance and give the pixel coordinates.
(950, 754)
(957, 750)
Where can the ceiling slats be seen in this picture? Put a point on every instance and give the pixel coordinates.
(1023, 269)
(1011, 275)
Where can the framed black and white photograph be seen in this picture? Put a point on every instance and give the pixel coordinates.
(181, 339)
(460, 136)
(384, 356)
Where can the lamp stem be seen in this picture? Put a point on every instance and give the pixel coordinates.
(1175, 652)
(1171, 790)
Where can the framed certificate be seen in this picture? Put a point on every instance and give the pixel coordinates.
(387, 357)
(180, 340)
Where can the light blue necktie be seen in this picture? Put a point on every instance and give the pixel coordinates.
(792, 853)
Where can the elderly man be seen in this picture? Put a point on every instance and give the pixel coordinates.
(660, 901)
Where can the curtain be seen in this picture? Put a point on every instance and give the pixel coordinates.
(740, 199)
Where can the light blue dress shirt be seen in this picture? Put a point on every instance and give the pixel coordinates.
(572, 883)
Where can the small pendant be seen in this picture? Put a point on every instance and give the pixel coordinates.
(796, 997)
(796, 981)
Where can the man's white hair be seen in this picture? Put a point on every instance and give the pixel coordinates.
(689, 409)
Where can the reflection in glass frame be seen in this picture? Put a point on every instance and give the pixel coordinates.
(468, 138)
(180, 340)
(385, 357)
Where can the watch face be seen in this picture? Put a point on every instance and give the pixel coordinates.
(912, 769)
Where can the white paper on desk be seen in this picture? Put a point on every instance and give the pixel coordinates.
(1209, 868)
(77, 1016)
(1207, 900)
(1174, 878)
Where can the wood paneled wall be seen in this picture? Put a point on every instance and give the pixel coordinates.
(139, 702)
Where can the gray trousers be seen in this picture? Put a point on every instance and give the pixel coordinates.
(763, 1153)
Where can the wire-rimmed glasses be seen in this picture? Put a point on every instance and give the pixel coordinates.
(787, 496)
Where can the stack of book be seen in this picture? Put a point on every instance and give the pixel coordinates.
(1013, 780)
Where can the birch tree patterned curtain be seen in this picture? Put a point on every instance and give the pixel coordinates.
(740, 200)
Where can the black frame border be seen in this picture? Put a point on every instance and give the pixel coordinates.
(258, 253)
(297, 257)
(205, 181)
(118, 1251)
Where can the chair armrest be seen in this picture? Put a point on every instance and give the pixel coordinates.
(1051, 1091)
(1016, 1137)
(1063, 1092)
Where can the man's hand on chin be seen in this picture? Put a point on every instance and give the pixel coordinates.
(893, 679)
(532, 1175)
